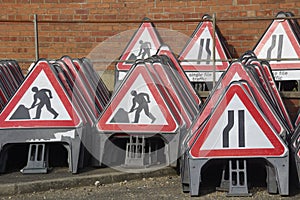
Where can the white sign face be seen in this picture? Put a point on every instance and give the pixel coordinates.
(228, 128)
(121, 75)
(138, 106)
(202, 50)
(143, 48)
(144, 43)
(237, 128)
(197, 55)
(279, 45)
(39, 102)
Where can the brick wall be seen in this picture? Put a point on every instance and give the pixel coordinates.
(58, 38)
(79, 39)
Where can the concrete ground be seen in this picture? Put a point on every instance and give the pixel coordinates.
(18, 183)
(111, 184)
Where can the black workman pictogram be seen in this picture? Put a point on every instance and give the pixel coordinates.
(142, 99)
(144, 49)
(44, 100)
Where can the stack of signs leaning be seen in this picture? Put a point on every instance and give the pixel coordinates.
(10, 78)
(297, 120)
(154, 102)
(280, 45)
(243, 118)
(295, 148)
(196, 57)
(58, 102)
(143, 44)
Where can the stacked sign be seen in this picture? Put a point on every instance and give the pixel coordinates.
(10, 78)
(197, 56)
(144, 43)
(280, 45)
(152, 102)
(297, 121)
(295, 148)
(53, 105)
(240, 121)
(165, 50)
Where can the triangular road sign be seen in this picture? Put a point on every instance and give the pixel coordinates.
(200, 47)
(279, 42)
(144, 43)
(236, 72)
(261, 69)
(237, 128)
(138, 106)
(40, 102)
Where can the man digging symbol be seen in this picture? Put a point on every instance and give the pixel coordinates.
(44, 101)
(144, 49)
(142, 99)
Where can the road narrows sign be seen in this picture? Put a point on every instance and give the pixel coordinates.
(200, 48)
(280, 45)
(237, 72)
(237, 128)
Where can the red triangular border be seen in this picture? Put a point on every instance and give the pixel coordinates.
(297, 121)
(135, 39)
(139, 69)
(235, 89)
(234, 68)
(193, 41)
(40, 66)
(292, 37)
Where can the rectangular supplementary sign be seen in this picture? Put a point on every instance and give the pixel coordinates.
(286, 75)
(202, 76)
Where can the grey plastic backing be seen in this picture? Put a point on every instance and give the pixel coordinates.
(195, 166)
(281, 170)
(39, 139)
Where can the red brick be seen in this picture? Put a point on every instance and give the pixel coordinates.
(81, 12)
(214, 3)
(274, 1)
(51, 1)
(259, 1)
(243, 2)
(37, 1)
(241, 35)
(73, 1)
(193, 3)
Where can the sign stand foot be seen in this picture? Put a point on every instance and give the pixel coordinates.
(135, 152)
(37, 161)
(238, 178)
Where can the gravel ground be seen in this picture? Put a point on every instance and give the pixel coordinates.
(168, 187)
